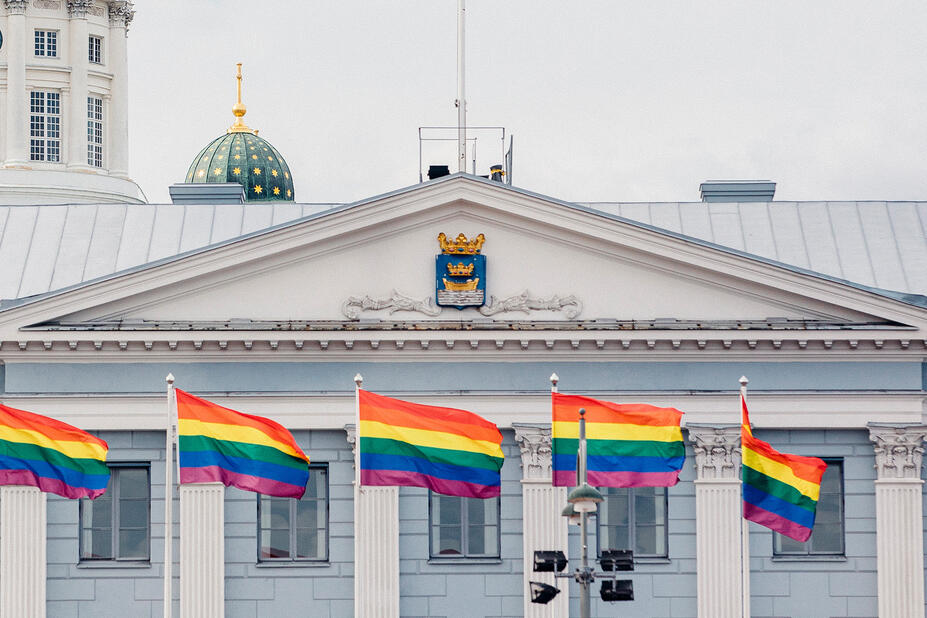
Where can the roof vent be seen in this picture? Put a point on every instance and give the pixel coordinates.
(737, 190)
(437, 171)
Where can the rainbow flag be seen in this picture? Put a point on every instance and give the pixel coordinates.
(55, 457)
(627, 445)
(780, 490)
(449, 451)
(253, 453)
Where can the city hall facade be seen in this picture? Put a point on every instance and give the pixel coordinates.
(271, 307)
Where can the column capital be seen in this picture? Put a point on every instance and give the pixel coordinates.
(79, 8)
(351, 431)
(535, 444)
(899, 450)
(717, 451)
(15, 7)
(121, 13)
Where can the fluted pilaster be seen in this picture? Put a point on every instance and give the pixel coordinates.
(17, 115)
(719, 554)
(543, 527)
(899, 519)
(78, 33)
(202, 550)
(376, 548)
(22, 552)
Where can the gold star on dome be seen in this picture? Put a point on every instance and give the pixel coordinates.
(236, 171)
(252, 148)
(237, 156)
(257, 170)
(200, 173)
(219, 157)
(288, 193)
(274, 172)
(258, 189)
(270, 158)
(254, 157)
(286, 174)
(217, 171)
(276, 190)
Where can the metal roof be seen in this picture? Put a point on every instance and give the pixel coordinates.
(871, 244)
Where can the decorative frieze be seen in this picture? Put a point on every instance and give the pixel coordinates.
(51, 5)
(898, 449)
(525, 303)
(536, 453)
(717, 451)
(354, 305)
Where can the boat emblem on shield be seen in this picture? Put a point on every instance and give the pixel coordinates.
(460, 272)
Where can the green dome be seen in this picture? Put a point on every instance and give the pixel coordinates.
(250, 161)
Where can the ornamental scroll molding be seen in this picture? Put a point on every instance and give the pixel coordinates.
(525, 303)
(15, 7)
(354, 305)
(351, 431)
(536, 452)
(717, 451)
(898, 450)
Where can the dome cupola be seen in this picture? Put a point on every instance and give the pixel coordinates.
(240, 156)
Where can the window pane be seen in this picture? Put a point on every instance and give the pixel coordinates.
(448, 510)
(133, 544)
(133, 513)
(827, 537)
(448, 541)
(307, 543)
(275, 544)
(133, 483)
(101, 543)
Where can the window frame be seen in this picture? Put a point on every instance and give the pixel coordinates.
(95, 49)
(464, 525)
(115, 488)
(293, 505)
(810, 553)
(95, 137)
(632, 523)
(43, 147)
(49, 43)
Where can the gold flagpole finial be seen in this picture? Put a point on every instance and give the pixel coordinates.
(239, 110)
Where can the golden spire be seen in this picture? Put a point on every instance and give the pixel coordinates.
(239, 110)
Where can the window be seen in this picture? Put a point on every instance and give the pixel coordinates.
(44, 126)
(295, 530)
(94, 132)
(95, 49)
(827, 534)
(635, 519)
(46, 43)
(116, 526)
(464, 527)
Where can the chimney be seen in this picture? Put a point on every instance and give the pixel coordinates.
(737, 190)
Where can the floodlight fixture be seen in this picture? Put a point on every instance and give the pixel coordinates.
(542, 593)
(549, 561)
(617, 590)
(571, 514)
(617, 560)
(585, 498)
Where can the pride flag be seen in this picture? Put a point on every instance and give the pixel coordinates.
(55, 457)
(253, 453)
(449, 451)
(780, 490)
(627, 445)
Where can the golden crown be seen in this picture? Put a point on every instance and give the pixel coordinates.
(461, 245)
(460, 269)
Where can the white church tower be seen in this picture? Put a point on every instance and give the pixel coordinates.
(64, 102)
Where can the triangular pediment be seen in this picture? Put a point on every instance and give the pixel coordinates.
(545, 261)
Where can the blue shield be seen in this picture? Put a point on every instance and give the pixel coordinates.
(460, 280)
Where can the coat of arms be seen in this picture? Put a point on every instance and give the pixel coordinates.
(460, 272)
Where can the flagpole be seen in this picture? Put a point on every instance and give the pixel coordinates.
(744, 527)
(358, 382)
(169, 498)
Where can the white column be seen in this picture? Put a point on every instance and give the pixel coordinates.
(78, 59)
(543, 527)
(120, 14)
(899, 519)
(22, 552)
(17, 109)
(718, 508)
(376, 548)
(202, 550)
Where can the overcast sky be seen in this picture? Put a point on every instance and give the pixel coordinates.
(607, 100)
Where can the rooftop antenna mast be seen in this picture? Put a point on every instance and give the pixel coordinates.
(461, 96)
